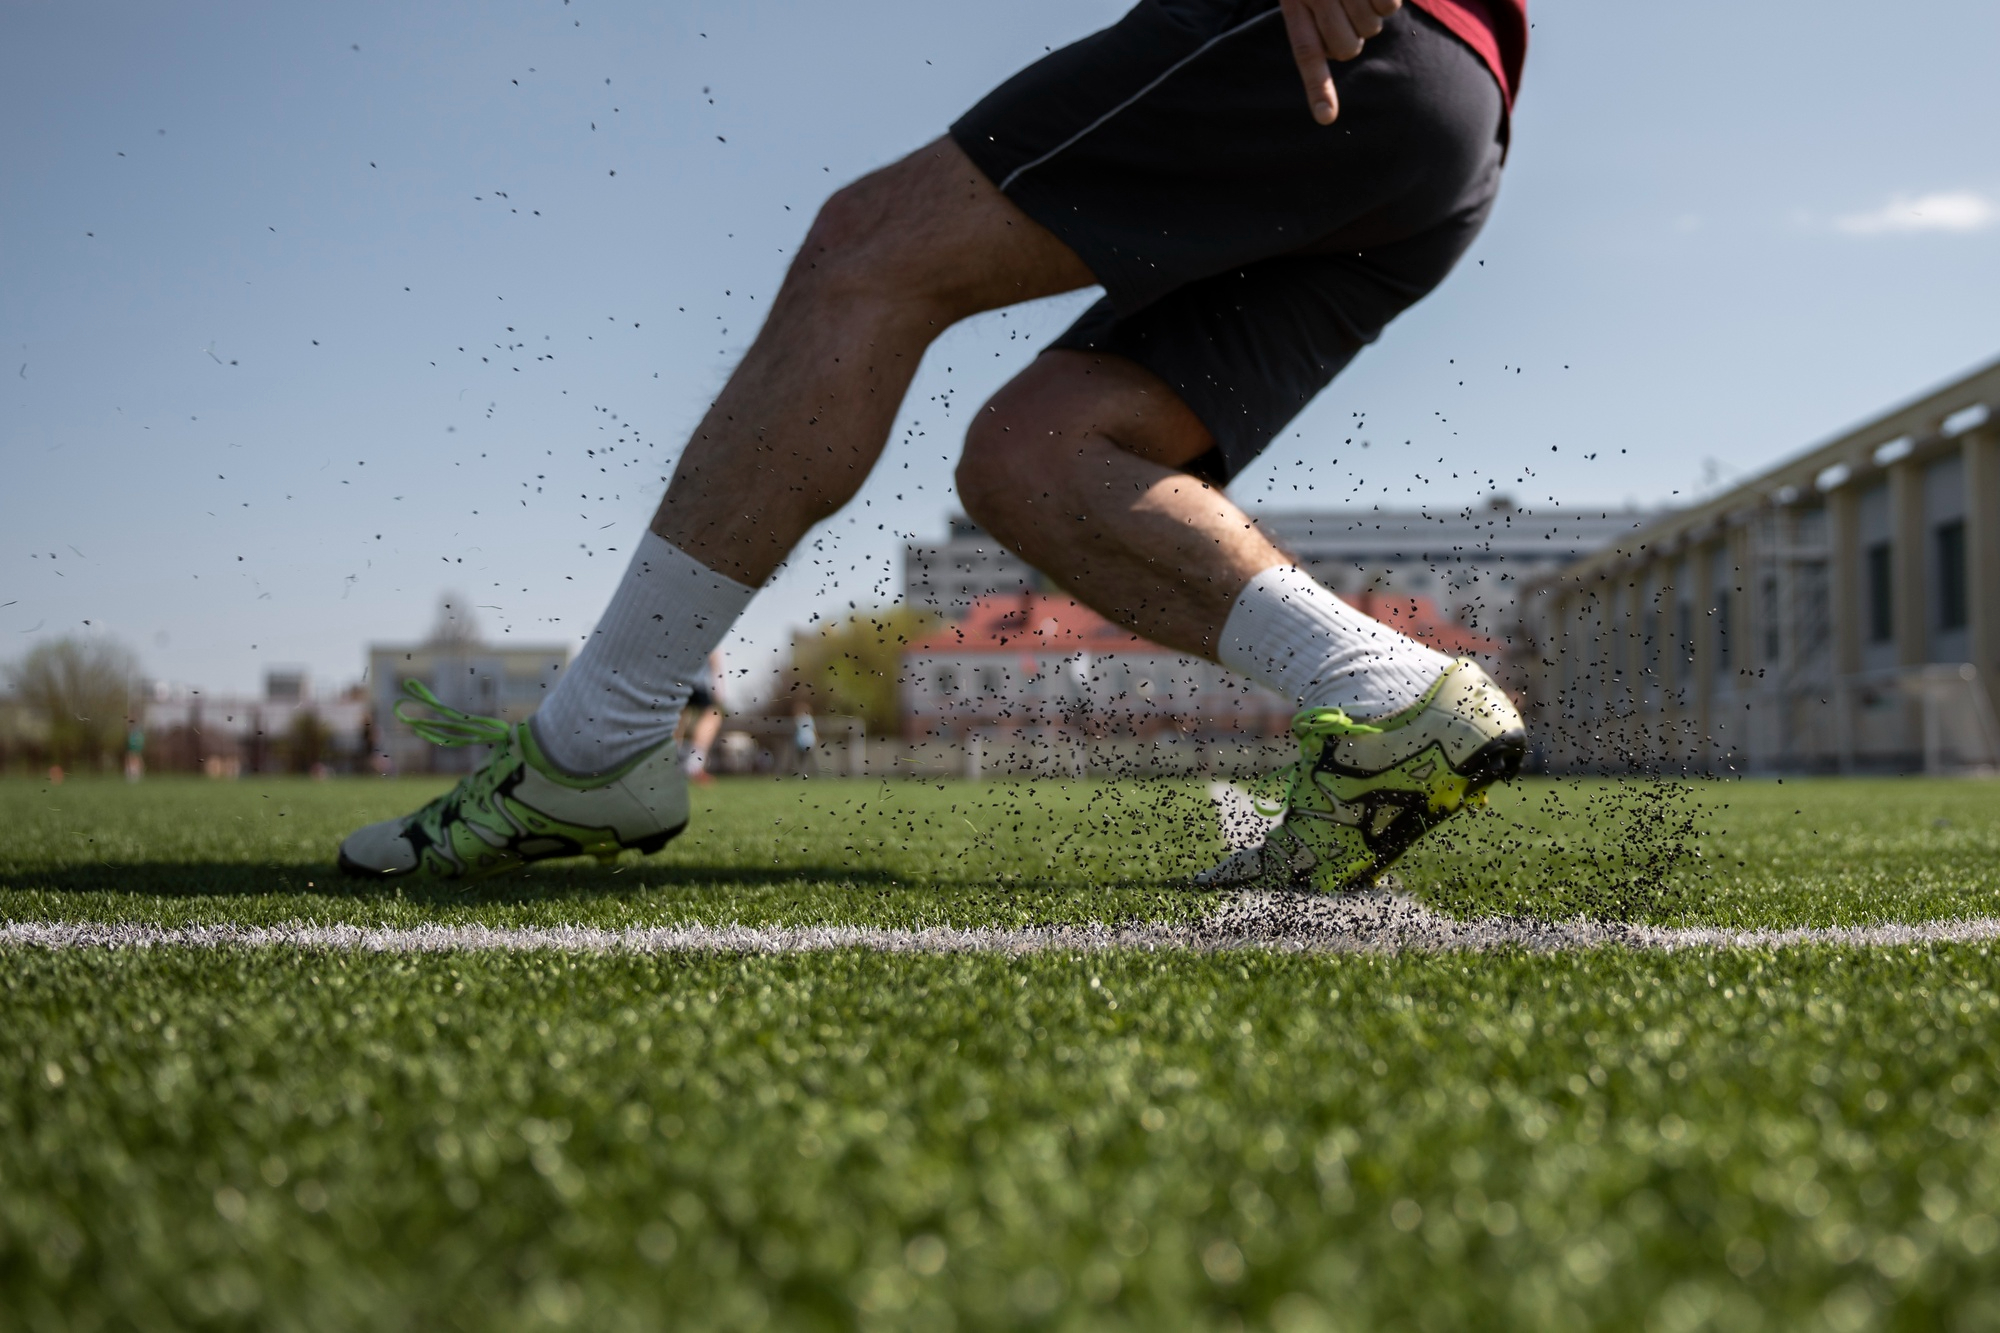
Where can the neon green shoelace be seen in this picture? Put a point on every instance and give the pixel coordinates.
(1313, 724)
(450, 727)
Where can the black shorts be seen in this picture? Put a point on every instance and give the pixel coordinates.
(1247, 252)
(700, 699)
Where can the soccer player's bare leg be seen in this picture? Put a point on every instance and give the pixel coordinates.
(1077, 466)
(889, 263)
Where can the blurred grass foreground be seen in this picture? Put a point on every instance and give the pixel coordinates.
(330, 1139)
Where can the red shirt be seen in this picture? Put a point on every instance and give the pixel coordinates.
(1497, 30)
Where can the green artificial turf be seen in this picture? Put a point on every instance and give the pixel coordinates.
(1738, 853)
(757, 852)
(292, 1140)
(288, 1139)
(1744, 854)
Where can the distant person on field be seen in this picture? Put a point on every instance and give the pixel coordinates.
(701, 720)
(1260, 187)
(805, 736)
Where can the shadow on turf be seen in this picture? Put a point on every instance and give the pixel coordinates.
(542, 884)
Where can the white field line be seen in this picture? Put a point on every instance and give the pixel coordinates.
(1375, 921)
(693, 937)
(1359, 923)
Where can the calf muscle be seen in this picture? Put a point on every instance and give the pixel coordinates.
(1075, 467)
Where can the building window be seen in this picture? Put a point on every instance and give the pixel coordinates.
(1722, 609)
(1951, 575)
(1814, 627)
(1769, 611)
(1684, 639)
(1881, 621)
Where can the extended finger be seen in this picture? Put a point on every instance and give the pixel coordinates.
(1309, 53)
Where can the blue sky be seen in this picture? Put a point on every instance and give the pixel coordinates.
(313, 313)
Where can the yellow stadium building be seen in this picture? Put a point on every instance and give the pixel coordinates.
(1839, 613)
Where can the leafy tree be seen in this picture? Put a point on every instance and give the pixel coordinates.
(853, 666)
(84, 690)
(308, 741)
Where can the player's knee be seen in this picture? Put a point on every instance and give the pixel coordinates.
(983, 486)
(839, 235)
(854, 250)
(987, 480)
(999, 471)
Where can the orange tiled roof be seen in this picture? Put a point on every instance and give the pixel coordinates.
(1420, 618)
(1040, 623)
(1031, 623)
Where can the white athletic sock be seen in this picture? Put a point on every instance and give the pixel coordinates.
(1289, 633)
(623, 693)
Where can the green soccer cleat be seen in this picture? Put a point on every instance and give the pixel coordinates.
(1361, 794)
(518, 807)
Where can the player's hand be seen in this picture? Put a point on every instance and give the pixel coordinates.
(1323, 30)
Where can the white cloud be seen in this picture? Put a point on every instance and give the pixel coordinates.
(1946, 210)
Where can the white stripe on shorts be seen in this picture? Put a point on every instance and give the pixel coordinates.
(1159, 79)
